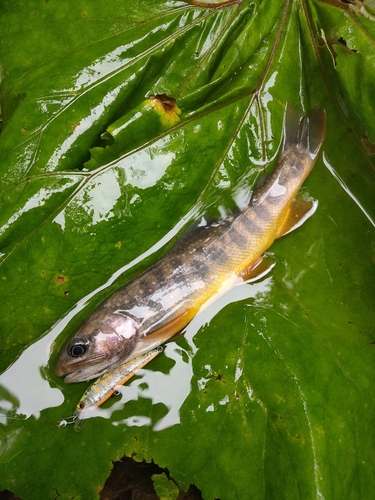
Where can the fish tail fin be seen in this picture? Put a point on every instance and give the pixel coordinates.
(304, 131)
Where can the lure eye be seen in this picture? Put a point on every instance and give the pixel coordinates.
(78, 349)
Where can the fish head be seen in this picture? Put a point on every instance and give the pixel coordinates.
(104, 340)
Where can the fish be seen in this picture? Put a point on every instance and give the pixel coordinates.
(107, 384)
(161, 301)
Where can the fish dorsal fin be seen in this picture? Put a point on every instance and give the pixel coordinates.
(300, 210)
(169, 329)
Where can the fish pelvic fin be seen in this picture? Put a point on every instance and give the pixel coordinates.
(304, 131)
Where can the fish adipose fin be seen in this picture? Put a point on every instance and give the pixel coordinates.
(300, 210)
(305, 131)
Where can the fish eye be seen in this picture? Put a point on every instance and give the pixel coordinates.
(78, 348)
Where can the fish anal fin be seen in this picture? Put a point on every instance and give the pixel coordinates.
(257, 269)
(300, 210)
(169, 329)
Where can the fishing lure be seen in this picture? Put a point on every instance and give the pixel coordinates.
(107, 384)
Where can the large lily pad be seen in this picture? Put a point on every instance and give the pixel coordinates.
(269, 394)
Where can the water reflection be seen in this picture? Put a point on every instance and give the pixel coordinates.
(85, 124)
(350, 192)
(106, 195)
(24, 391)
(40, 198)
(169, 389)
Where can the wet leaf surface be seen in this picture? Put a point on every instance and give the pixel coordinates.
(271, 388)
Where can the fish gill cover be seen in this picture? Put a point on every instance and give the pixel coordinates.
(275, 394)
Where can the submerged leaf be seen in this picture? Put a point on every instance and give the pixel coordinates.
(269, 392)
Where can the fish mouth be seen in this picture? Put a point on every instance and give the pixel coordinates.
(81, 371)
(81, 376)
(85, 374)
(73, 377)
(91, 369)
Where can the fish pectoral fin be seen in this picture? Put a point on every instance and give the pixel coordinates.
(300, 210)
(169, 329)
(257, 269)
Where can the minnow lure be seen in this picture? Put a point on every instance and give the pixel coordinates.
(107, 384)
(162, 300)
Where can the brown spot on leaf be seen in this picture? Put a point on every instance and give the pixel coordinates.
(165, 107)
(368, 145)
(169, 103)
(60, 279)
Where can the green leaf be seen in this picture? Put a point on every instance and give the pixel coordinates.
(269, 392)
(164, 487)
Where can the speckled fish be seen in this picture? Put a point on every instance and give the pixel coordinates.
(107, 384)
(162, 300)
